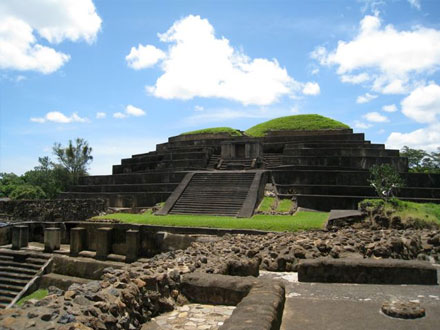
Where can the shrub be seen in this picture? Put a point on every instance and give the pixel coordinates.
(385, 180)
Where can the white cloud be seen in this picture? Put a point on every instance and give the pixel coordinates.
(311, 88)
(54, 21)
(389, 108)
(144, 57)
(199, 108)
(423, 104)
(375, 117)
(427, 138)
(355, 79)
(391, 60)
(101, 115)
(199, 64)
(130, 111)
(134, 111)
(365, 98)
(415, 4)
(361, 125)
(59, 117)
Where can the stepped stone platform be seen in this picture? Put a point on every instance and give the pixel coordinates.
(322, 170)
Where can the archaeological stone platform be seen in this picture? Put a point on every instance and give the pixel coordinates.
(212, 173)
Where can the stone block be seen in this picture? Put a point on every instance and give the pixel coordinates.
(103, 242)
(367, 271)
(77, 240)
(52, 239)
(133, 243)
(20, 236)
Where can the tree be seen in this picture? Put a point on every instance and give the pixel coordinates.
(74, 158)
(421, 161)
(8, 183)
(415, 156)
(385, 179)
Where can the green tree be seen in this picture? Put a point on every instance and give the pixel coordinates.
(415, 157)
(27, 191)
(420, 161)
(385, 180)
(8, 183)
(74, 158)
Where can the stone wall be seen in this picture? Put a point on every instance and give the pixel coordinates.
(51, 210)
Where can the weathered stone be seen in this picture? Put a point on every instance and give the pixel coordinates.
(403, 309)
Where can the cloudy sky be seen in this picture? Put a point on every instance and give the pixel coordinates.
(126, 75)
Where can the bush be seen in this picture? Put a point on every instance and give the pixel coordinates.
(26, 191)
(385, 180)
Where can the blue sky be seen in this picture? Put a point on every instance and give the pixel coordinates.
(126, 75)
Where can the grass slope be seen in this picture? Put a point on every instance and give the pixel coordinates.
(39, 294)
(216, 130)
(299, 221)
(297, 122)
(428, 212)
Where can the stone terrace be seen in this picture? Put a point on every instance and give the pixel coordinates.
(319, 169)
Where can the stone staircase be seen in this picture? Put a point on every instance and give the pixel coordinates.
(237, 164)
(217, 193)
(17, 270)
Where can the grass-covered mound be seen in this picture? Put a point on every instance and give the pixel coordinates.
(409, 214)
(297, 122)
(216, 130)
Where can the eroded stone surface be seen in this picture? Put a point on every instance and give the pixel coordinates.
(194, 317)
(403, 309)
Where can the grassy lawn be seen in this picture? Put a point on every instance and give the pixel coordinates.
(39, 294)
(405, 210)
(284, 205)
(215, 130)
(267, 204)
(297, 122)
(299, 221)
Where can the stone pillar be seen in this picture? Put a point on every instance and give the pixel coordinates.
(52, 239)
(103, 242)
(77, 240)
(20, 236)
(133, 242)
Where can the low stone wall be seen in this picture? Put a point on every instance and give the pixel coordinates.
(368, 271)
(259, 303)
(51, 210)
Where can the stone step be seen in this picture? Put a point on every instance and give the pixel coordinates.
(346, 162)
(182, 164)
(348, 177)
(11, 287)
(315, 138)
(334, 144)
(412, 192)
(8, 293)
(13, 281)
(125, 199)
(19, 264)
(333, 202)
(134, 178)
(17, 270)
(146, 187)
(15, 275)
(344, 152)
(158, 157)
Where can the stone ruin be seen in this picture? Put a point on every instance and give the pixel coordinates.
(127, 276)
(224, 175)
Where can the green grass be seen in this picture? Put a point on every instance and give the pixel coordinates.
(299, 221)
(298, 122)
(267, 204)
(284, 205)
(216, 130)
(422, 211)
(39, 294)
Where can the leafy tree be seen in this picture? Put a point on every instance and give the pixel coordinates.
(8, 183)
(420, 161)
(27, 191)
(74, 158)
(385, 179)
